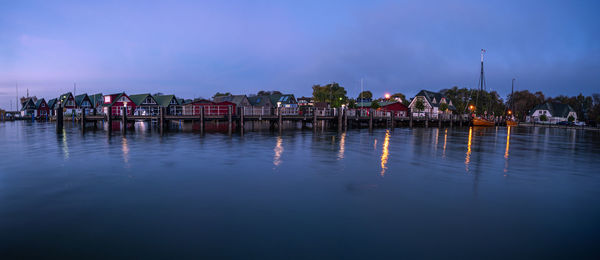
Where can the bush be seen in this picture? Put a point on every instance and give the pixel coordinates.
(571, 118)
(543, 118)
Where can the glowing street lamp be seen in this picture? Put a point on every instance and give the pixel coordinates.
(472, 107)
(509, 112)
(387, 96)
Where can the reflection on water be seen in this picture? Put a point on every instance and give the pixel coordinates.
(385, 152)
(125, 149)
(218, 196)
(342, 146)
(468, 157)
(278, 151)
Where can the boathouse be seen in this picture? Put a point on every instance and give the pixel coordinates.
(42, 109)
(67, 101)
(83, 103)
(238, 100)
(96, 100)
(399, 109)
(114, 103)
(28, 107)
(145, 105)
(170, 102)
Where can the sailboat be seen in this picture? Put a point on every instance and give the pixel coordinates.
(479, 120)
(510, 121)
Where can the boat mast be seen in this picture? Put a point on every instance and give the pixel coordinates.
(482, 84)
(512, 97)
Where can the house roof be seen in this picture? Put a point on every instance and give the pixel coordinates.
(28, 104)
(96, 99)
(64, 96)
(259, 100)
(556, 109)
(116, 97)
(236, 99)
(39, 102)
(165, 100)
(437, 96)
(52, 103)
(283, 98)
(138, 99)
(80, 98)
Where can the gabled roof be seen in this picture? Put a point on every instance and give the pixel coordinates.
(28, 104)
(80, 98)
(96, 99)
(138, 99)
(283, 98)
(52, 103)
(116, 97)
(39, 102)
(165, 100)
(556, 109)
(430, 96)
(236, 99)
(259, 100)
(64, 96)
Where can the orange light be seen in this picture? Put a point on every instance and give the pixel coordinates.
(509, 112)
(387, 95)
(471, 107)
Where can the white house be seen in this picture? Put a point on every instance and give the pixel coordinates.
(431, 101)
(554, 112)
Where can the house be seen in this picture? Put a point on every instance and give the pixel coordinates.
(210, 108)
(399, 109)
(83, 103)
(52, 105)
(96, 101)
(283, 100)
(305, 102)
(554, 112)
(67, 101)
(238, 100)
(261, 105)
(113, 104)
(170, 102)
(42, 109)
(28, 107)
(431, 102)
(145, 105)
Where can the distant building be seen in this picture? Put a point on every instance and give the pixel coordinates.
(399, 109)
(28, 108)
(67, 102)
(554, 112)
(431, 101)
(238, 100)
(114, 103)
(97, 101)
(145, 105)
(42, 109)
(83, 103)
(305, 101)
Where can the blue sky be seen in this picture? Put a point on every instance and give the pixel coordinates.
(195, 48)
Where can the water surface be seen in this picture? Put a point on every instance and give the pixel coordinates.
(411, 193)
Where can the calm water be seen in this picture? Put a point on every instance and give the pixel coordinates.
(412, 193)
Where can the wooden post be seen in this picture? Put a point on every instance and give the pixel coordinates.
(242, 121)
(345, 119)
(124, 119)
(460, 120)
(440, 121)
(427, 120)
(59, 118)
(161, 120)
(109, 119)
(229, 112)
(280, 122)
(83, 120)
(94, 112)
(201, 119)
(370, 119)
(314, 119)
(451, 120)
(340, 118)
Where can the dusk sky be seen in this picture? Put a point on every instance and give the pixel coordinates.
(197, 48)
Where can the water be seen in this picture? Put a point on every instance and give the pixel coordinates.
(407, 193)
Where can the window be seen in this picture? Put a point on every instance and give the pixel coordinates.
(258, 100)
(107, 99)
(149, 100)
(173, 102)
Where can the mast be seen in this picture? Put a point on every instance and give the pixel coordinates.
(482, 84)
(512, 92)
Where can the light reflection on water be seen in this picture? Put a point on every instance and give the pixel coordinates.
(269, 195)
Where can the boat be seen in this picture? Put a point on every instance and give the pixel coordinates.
(479, 120)
(511, 122)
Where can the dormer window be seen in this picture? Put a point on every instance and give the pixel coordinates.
(107, 99)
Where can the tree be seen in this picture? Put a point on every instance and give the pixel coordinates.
(399, 95)
(571, 118)
(266, 93)
(219, 94)
(365, 94)
(443, 107)
(332, 93)
(419, 105)
(352, 103)
(375, 104)
(543, 118)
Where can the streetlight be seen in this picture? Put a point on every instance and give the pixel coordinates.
(387, 96)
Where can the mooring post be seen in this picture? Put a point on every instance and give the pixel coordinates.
(370, 119)
(229, 112)
(124, 119)
(314, 119)
(451, 120)
(440, 120)
(426, 120)
(201, 119)
(94, 112)
(393, 119)
(340, 115)
(161, 120)
(83, 120)
(345, 118)
(59, 118)
(242, 120)
(410, 118)
(109, 119)
(280, 122)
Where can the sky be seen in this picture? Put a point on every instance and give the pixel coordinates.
(196, 48)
